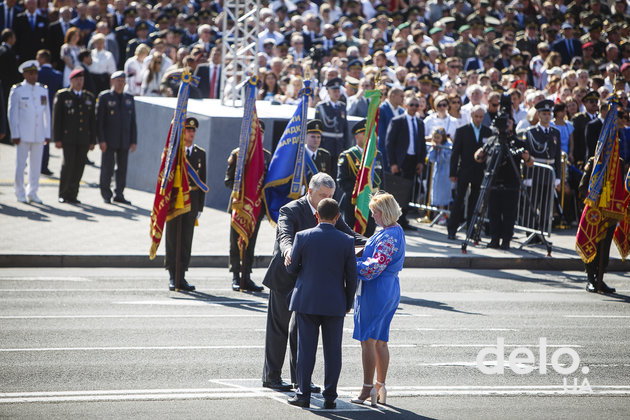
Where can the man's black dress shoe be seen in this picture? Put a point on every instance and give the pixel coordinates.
(452, 237)
(47, 172)
(72, 201)
(107, 200)
(505, 245)
(493, 244)
(279, 385)
(314, 388)
(298, 402)
(236, 284)
(606, 289)
(187, 287)
(330, 404)
(121, 200)
(252, 287)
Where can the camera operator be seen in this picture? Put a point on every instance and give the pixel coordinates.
(503, 197)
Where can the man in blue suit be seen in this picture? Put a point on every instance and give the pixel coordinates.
(567, 46)
(52, 78)
(322, 295)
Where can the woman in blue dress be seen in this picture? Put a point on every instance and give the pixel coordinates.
(378, 294)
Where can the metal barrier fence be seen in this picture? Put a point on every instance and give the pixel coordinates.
(421, 196)
(536, 217)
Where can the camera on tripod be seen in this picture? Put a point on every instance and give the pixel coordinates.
(500, 122)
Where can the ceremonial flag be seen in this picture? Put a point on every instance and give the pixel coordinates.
(250, 171)
(362, 192)
(286, 175)
(172, 193)
(606, 202)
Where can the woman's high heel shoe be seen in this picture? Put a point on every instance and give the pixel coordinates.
(382, 393)
(372, 396)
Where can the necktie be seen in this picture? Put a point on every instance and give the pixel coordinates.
(569, 49)
(188, 153)
(415, 132)
(32, 21)
(213, 82)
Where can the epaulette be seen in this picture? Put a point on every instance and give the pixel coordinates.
(203, 150)
(16, 85)
(321, 149)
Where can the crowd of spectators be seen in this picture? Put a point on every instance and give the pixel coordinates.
(459, 53)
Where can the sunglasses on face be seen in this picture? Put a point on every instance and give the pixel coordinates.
(493, 104)
(590, 101)
(442, 105)
(414, 105)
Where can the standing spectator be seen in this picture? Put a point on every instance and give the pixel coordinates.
(85, 61)
(567, 46)
(134, 70)
(454, 109)
(440, 118)
(29, 120)
(53, 79)
(210, 75)
(565, 127)
(464, 169)
(8, 12)
(440, 156)
(74, 131)
(152, 77)
(116, 135)
(31, 29)
(57, 35)
(269, 88)
(70, 53)
(9, 74)
(125, 33)
(406, 148)
(111, 44)
(83, 22)
(389, 109)
(142, 32)
(103, 63)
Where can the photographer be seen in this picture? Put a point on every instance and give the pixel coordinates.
(503, 199)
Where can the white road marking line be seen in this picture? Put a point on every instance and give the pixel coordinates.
(572, 289)
(47, 278)
(133, 316)
(596, 316)
(505, 345)
(242, 392)
(189, 302)
(162, 289)
(132, 348)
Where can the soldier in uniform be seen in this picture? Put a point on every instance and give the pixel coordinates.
(332, 114)
(124, 34)
(347, 170)
(236, 265)
(196, 156)
(29, 122)
(142, 32)
(321, 157)
(74, 130)
(116, 132)
(591, 105)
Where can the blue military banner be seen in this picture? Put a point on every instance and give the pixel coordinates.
(286, 175)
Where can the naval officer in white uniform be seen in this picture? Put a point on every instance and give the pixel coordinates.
(29, 119)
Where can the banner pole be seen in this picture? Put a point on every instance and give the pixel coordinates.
(178, 253)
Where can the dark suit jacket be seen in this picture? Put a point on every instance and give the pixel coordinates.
(580, 120)
(398, 141)
(203, 72)
(16, 11)
(116, 120)
(593, 129)
(463, 164)
(294, 217)
(54, 42)
(473, 63)
(323, 260)
(560, 46)
(385, 115)
(53, 79)
(9, 74)
(29, 41)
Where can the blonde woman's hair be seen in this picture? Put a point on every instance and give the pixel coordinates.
(385, 203)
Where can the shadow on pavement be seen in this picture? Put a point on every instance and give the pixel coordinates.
(248, 305)
(392, 412)
(433, 304)
(560, 280)
(618, 298)
(28, 214)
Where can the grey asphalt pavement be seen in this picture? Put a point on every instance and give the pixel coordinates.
(115, 343)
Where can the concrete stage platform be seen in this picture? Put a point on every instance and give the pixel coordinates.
(219, 128)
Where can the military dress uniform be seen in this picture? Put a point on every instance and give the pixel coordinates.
(116, 126)
(347, 170)
(196, 156)
(335, 124)
(29, 121)
(237, 267)
(322, 158)
(74, 126)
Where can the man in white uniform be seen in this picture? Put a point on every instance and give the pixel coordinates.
(29, 119)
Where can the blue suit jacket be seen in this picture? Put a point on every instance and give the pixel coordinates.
(385, 115)
(326, 267)
(560, 46)
(53, 79)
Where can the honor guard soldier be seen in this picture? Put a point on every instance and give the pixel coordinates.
(74, 131)
(321, 157)
(196, 156)
(29, 121)
(142, 33)
(347, 170)
(236, 265)
(332, 113)
(116, 132)
(580, 120)
(543, 140)
(124, 34)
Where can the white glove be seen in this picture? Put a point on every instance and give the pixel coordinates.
(198, 214)
(557, 182)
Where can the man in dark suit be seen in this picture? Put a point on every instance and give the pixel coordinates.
(52, 78)
(210, 75)
(323, 294)
(406, 148)
(56, 35)
(593, 129)
(31, 30)
(580, 120)
(238, 265)
(9, 74)
(464, 170)
(390, 108)
(8, 11)
(196, 156)
(294, 217)
(116, 134)
(74, 131)
(567, 46)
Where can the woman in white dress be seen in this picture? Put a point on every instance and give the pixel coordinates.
(134, 70)
(152, 76)
(70, 53)
(440, 118)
